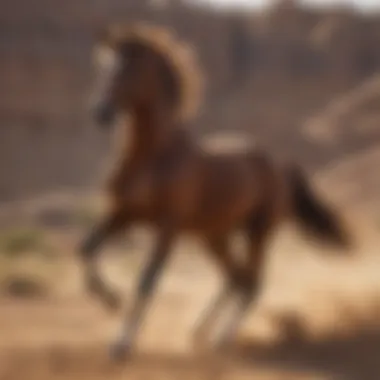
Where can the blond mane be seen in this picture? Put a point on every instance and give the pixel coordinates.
(181, 58)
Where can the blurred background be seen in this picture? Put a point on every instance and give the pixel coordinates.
(299, 77)
(301, 80)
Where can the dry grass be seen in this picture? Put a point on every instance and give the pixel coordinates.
(19, 242)
(28, 262)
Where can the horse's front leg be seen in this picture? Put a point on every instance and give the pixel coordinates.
(146, 286)
(89, 252)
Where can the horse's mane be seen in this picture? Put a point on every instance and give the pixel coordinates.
(180, 57)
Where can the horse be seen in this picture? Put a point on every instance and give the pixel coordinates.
(149, 83)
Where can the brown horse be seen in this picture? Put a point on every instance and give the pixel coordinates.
(150, 81)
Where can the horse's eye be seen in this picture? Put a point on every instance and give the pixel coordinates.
(132, 52)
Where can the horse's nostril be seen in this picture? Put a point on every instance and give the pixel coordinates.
(104, 114)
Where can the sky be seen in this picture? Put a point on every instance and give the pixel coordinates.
(366, 5)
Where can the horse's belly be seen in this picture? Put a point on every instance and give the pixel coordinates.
(224, 215)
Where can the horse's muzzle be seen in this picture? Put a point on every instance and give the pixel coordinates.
(104, 114)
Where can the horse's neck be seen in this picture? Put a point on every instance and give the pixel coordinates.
(181, 141)
(149, 136)
(144, 137)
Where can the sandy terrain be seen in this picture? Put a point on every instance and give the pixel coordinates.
(314, 98)
(317, 318)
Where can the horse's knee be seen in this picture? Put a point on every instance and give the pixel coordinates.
(88, 246)
(99, 234)
(249, 285)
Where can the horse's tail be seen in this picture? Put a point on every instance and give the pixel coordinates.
(313, 215)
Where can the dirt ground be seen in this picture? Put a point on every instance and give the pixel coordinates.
(316, 319)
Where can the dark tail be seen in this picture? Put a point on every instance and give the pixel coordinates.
(313, 215)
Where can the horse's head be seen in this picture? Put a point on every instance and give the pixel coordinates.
(141, 65)
(124, 76)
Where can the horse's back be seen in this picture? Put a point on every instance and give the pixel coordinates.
(231, 187)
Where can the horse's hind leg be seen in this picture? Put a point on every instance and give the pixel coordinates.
(220, 250)
(210, 314)
(89, 252)
(258, 235)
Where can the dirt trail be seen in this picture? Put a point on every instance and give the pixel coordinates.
(68, 340)
(314, 321)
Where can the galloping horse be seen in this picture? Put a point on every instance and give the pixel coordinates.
(150, 84)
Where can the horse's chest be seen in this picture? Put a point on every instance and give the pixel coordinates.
(140, 192)
(147, 193)
(157, 189)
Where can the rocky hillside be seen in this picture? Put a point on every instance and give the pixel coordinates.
(286, 76)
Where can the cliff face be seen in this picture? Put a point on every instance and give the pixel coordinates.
(266, 73)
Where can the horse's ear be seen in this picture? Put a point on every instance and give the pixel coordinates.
(110, 35)
(102, 35)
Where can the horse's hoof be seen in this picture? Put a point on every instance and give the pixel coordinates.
(120, 352)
